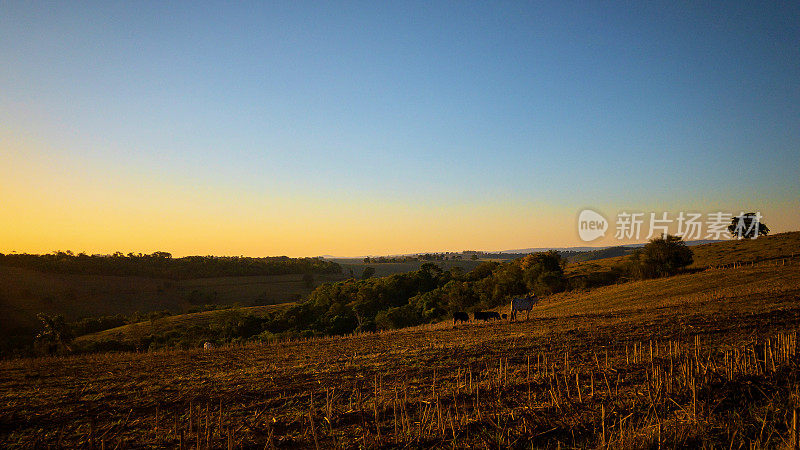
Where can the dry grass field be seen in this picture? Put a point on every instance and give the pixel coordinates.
(704, 359)
(745, 251)
(727, 253)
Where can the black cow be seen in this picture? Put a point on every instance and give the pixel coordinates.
(480, 315)
(486, 315)
(460, 316)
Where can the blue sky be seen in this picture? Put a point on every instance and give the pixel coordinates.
(369, 112)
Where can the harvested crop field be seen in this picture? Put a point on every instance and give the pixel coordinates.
(631, 365)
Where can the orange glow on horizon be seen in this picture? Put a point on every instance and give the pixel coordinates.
(55, 203)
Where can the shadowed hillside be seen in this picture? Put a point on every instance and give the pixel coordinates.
(186, 330)
(24, 293)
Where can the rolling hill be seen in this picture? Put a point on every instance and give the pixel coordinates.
(746, 251)
(660, 293)
(25, 293)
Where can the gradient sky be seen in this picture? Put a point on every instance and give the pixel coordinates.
(348, 128)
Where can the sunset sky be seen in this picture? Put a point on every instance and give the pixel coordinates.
(372, 128)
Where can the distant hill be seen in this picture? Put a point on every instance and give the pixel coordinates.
(592, 249)
(24, 293)
(384, 269)
(608, 252)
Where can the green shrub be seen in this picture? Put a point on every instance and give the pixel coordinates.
(660, 257)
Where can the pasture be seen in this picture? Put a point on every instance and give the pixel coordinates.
(180, 324)
(705, 358)
(25, 293)
(773, 248)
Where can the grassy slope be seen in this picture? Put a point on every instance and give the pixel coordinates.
(670, 292)
(25, 293)
(783, 245)
(127, 333)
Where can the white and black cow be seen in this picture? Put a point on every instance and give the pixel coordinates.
(523, 304)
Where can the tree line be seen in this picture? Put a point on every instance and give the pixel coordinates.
(447, 256)
(163, 265)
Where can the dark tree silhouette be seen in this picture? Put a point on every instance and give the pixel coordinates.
(748, 226)
(543, 272)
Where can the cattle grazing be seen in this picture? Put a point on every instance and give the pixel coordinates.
(486, 315)
(460, 316)
(505, 316)
(480, 315)
(523, 304)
